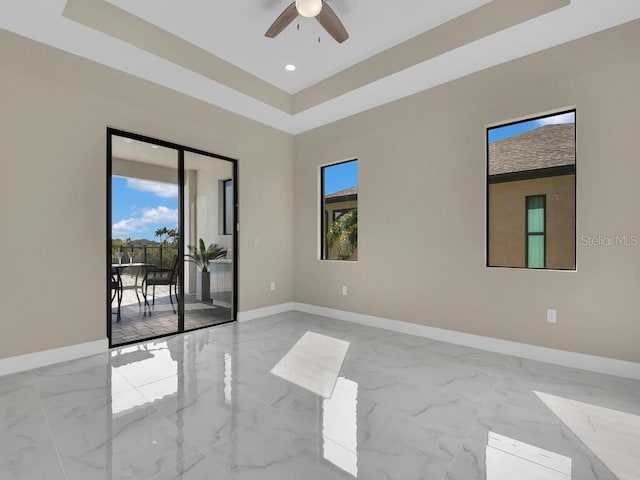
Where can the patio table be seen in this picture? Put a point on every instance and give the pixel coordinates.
(141, 268)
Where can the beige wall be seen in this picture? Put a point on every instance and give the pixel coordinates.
(507, 220)
(421, 198)
(55, 110)
(421, 204)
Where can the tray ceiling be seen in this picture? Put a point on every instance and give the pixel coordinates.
(215, 50)
(234, 31)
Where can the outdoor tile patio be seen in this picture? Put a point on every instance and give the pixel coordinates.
(138, 323)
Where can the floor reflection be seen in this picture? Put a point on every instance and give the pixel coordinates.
(613, 436)
(509, 459)
(340, 427)
(153, 361)
(143, 364)
(228, 378)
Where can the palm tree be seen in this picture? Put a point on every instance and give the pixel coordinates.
(201, 255)
(168, 234)
(343, 233)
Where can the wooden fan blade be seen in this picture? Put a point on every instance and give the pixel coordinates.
(286, 17)
(332, 24)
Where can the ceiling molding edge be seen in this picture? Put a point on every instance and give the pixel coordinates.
(581, 18)
(479, 23)
(111, 20)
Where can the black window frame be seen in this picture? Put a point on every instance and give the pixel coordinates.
(225, 230)
(340, 212)
(527, 175)
(324, 214)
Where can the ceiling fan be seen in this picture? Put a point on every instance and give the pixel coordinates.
(310, 8)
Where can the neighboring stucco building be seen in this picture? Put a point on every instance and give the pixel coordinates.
(533, 172)
(335, 205)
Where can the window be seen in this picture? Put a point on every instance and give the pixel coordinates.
(531, 182)
(339, 204)
(536, 220)
(338, 213)
(227, 208)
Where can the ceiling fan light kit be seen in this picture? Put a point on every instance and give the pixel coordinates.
(309, 8)
(319, 9)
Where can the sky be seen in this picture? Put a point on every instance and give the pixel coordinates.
(341, 176)
(139, 207)
(499, 133)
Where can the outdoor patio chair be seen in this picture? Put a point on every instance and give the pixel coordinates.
(116, 289)
(163, 277)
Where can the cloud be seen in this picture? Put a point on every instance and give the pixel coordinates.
(149, 216)
(125, 228)
(557, 119)
(162, 190)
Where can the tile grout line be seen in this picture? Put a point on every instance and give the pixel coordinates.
(484, 407)
(194, 444)
(46, 419)
(186, 437)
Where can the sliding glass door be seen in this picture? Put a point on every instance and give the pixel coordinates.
(209, 232)
(171, 238)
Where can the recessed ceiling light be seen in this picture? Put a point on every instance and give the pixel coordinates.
(128, 140)
(290, 67)
(155, 146)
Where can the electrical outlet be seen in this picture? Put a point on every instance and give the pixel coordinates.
(344, 289)
(273, 285)
(552, 315)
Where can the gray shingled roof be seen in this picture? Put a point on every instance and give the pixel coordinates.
(343, 193)
(544, 147)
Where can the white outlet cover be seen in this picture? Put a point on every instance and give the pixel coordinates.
(552, 316)
(344, 290)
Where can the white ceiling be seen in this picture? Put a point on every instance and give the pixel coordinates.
(42, 20)
(234, 31)
(143, 152)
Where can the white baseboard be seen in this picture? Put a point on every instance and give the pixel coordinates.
(265, 312)
(609, 366)
(49, 357)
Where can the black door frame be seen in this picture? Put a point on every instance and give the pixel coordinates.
(111, 132)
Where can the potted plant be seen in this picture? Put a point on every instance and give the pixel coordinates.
(201, 256)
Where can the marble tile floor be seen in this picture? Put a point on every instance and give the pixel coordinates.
(204, 405)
